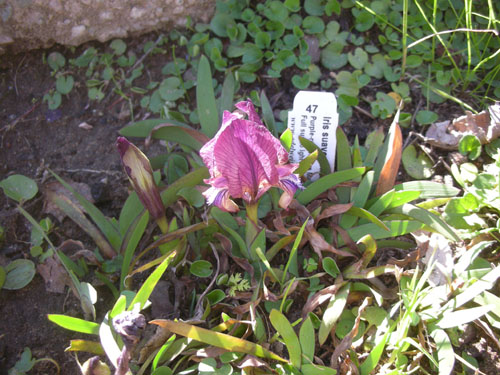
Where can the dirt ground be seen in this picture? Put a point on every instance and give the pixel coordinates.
(32, 139)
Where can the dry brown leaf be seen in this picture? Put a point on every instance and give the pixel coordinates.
(226, 246)
(153, 343)
(437, 250)
(243, 309)
(210, 352)
(333, 210)
(319, 244)
(390, 169)
(252, 361)
(55, 276)
(322, 296)
(484, 125)
(279, 225)
(347, 340)
(54, 187)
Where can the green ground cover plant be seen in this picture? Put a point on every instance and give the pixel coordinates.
(450, 52)
(291, 276)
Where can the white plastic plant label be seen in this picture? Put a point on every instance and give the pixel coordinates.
(314, 116)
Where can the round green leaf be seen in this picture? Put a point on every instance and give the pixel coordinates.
(486, 181)
(332, 57)
(25, 363)
(301, 82)
(493, 149)
(56, 61)
(425, 117)
(348, 84)
(344, 326)
(471, 146)
(313, 25)
(330, 267)
(262, 40)
(64, 84)
(169, 94)
(201, 268)
(364, 21)
(118, 46)
(216, 296)
(292, 5)
(248, 15)
(252, 54)
(95, 93)
(384, 106)
(19, 187)
(220, 23)
(19, 273)
(53, 100)
(377, 66)
(288, 57)
(291, 41)
(417, 166)
(107, 73)
(314, 7)
(413, 61)
(332, 30)
(192, 196)
(276, 11)
(468, 172)
(374, 315)
(358, 59)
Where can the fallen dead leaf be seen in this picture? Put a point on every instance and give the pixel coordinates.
(346, 342)
(157, 339)
(53, 273)
(252, 361)
(319, 243)
(54, 187)
(321, 297)
(437, 250)
(484, 125)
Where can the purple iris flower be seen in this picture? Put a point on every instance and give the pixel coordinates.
(245, 160)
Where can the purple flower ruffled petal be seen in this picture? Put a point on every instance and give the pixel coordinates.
(245, 160)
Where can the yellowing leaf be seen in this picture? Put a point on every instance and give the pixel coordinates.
(220, 340)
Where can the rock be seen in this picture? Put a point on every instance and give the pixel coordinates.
(313, 51)
(29, 24)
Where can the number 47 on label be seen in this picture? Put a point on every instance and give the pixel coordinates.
(311, 108)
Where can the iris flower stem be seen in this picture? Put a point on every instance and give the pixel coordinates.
(252, 211)
(251, 227)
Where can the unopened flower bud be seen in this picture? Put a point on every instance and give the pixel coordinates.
(140, 174)
(94, 366)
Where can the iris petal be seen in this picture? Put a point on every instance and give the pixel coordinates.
(248, 108)
(289, 184)
(220, 198)
(245, 160)
(240, 161)
(207, 151)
